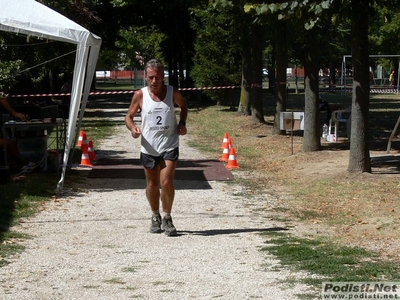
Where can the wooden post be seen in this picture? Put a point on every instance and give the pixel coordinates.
(292, 130)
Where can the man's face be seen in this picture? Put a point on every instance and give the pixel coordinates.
(154, 78)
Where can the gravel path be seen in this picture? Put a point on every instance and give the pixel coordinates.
(94, 243)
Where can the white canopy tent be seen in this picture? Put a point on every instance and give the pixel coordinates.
(32, 18)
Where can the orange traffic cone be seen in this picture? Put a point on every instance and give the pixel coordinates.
(225, 140)
(85, 160)
(85, 142)
(230, 144)
(232, 163)
(80, 139)
(225, 153)
(92, 155)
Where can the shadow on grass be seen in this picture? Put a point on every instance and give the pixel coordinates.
(20, 198)
(7, 207)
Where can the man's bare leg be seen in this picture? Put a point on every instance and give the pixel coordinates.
(153, 196)
(162, 175)
(167, 195)
(153, 187)
(167, 174)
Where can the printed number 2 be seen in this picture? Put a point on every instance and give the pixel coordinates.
(159, 119)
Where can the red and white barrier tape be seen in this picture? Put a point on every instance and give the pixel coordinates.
(373, 90)
(210, 88)
(119, 92)
(69, 94)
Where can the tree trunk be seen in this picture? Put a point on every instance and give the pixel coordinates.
(281, 65)
(257, 112)
(359, 146)
(271, 75)
(181, 78)
(245, 99)
(312, 140)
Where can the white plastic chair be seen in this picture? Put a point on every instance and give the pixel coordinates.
(336, 117)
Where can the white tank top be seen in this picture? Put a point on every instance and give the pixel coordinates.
(159, 124)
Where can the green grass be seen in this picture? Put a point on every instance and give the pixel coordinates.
(130, 269)
(21, 199)
(115, 281)
(9, 246)
(328, 260)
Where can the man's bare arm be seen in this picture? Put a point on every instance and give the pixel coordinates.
(134, 107)
(180, 101)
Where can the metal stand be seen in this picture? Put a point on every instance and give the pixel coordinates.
(392, 138)
(58, 125)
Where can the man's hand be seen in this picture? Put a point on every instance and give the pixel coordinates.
(136, 132)
(19, 116)
(181, 129)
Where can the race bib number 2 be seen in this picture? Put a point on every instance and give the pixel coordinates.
(157, 121)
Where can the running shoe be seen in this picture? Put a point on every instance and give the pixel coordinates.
(155, 224)
(168, 226)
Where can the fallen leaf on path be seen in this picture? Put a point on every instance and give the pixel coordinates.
(316, 221)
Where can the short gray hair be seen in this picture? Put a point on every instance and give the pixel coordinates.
(154, 64)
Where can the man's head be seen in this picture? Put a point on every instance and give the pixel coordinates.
(154, 64)
(154, 71)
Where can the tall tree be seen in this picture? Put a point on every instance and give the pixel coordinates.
(312, 141)
(306, 13)
(359, 147)
(281, 55)
(257, 112)
(217, 50)
(358, 11)
(252, 42)
(245, 88)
